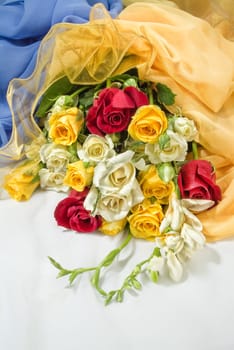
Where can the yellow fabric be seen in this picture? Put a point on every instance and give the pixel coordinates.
(167, 45)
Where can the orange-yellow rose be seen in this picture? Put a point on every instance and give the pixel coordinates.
(112, 228)
(22, 181)
(148, 123)
(65, 126)
(145, 220)
(152, 185)
(78, 176)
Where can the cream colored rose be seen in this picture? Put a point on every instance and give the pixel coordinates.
(175, 150)
(113, 206)
(52, 180)
(116, 174)
(56, 157)
(96, 149)
(186, 128)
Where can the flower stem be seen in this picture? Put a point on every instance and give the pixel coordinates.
(77, 92)
(195, 150)
(108, 83)
(130, 282)
(150, 94)
(107, 261)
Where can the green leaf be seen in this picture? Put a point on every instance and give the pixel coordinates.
(165, 95)
(61, 87)
(55, 263)
(63, 273)
(95, 278)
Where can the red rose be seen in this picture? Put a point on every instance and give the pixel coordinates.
(70, 213)
(112, 110)
(196, 180)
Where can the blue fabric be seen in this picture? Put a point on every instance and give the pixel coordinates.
(23, 24)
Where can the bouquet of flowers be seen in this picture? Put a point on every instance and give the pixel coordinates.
(127, 158)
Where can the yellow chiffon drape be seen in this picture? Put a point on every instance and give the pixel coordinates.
(166, 45)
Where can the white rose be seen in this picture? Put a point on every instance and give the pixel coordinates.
(56, 157)
(116, 174)
(175, 150)
(96, 149)
(52, 181)
(113, 206)
(186, 128)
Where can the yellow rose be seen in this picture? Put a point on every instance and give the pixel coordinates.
(152, 185)
(65, 126)
(22, 181)
(78, 176)
(148, 123)
(145, 220)
(112, 228)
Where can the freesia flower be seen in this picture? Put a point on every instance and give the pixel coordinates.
(175, 267)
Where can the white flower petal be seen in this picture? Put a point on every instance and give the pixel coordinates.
(175, 267)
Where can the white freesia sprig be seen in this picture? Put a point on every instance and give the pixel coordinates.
(96, 149)
(175, 149)
(182, 236)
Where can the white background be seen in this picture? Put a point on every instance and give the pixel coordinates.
(40, 312)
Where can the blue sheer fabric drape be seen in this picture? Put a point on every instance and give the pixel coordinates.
(23, 24)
